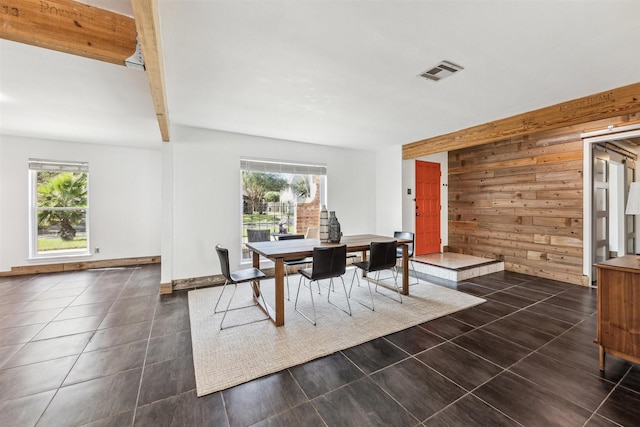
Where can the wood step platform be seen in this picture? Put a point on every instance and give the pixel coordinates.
(454, 266)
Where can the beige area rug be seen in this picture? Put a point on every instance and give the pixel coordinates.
(226, 358)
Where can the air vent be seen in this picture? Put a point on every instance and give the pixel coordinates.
(440, 71)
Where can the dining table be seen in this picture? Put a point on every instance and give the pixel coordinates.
(282, 250)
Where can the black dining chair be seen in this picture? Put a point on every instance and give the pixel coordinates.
(234, 278)
(407, 235)
(255, 235)
(382, 256)
(328, 263)
(293, 262)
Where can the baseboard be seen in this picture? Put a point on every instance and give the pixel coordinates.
(165, 288)
(204, 281)
(75, 266)
(218, 279)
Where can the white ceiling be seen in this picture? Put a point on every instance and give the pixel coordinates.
(328, 72)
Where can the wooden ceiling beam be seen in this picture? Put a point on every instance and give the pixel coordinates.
(147, 23)
(69, 26)
(80, 29)
(603, 105)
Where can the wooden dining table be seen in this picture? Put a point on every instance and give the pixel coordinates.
(283, 250)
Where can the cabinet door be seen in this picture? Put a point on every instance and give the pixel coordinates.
(619, 316)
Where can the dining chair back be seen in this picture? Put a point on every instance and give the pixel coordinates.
(255, 235)
(234, 278)
(408, 235)
(328, 263)
(291, 236)
(312, 233)
(293, 262)
(382, 255)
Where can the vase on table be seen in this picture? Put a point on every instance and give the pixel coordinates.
(324, 224)
(334, 228)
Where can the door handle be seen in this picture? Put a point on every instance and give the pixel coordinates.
(417, 213)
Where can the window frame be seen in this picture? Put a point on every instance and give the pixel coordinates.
(36, 166)
(274, 166)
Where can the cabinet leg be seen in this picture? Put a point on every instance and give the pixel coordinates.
(602, 356)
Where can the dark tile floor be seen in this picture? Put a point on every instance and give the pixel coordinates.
(101, 348)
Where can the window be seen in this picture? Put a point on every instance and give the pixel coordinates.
(279, 197)
(59, 208)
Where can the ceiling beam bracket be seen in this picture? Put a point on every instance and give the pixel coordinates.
(136, 61)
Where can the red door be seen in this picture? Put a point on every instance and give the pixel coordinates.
(427, 208)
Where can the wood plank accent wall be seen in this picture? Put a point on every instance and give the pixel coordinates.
(520, 201)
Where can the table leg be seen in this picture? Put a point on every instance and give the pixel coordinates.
(405, 270)
(256, 283)
(279, 273)
(602, 357)
(364, 258)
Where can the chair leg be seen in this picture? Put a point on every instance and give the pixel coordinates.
(412, 267)
(295, 305)
(215, 309)
(228, 304)
(317, 282)
(286, 273)
(228, 309)
(345, 294)
(355, 275)
(395, 283)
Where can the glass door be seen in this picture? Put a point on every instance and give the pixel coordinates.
(600, 205)
(630, 223)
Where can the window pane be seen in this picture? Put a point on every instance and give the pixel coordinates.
(601, 254)
(601, 228)
(600, 199)
(66, 230)
(61, 211)
(278, 203)
(600, 171)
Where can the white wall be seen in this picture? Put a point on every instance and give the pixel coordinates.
(408, 201)
(166, 267)
(124, 198)
(206, 192)
(389, 191)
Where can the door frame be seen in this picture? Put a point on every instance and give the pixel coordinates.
(409, 191)
(589, 138)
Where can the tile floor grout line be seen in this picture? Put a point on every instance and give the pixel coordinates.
(144, 360)
(65, 377)
(82, 352)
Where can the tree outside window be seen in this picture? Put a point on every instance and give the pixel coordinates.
(60, 208)
(279, 198)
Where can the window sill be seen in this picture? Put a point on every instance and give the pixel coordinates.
(57, 257)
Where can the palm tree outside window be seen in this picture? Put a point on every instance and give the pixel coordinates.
(59, 208)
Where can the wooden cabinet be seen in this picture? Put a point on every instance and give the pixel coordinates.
(619, 308)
